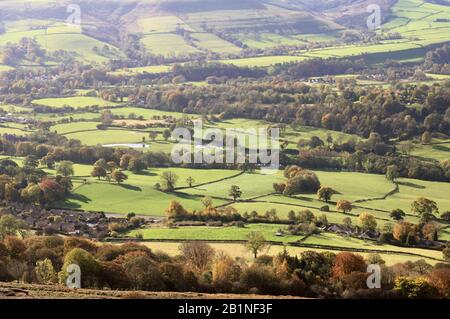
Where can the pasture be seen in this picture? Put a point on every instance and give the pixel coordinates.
(239, 250)
(137, 194)
(53, 35)
(74, 102)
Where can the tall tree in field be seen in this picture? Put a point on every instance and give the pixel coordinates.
(166, 134)
(344, 206)
(65, 168)
(169, 181)
(425, 208)
(118, 176)
(392, 173)
(235, 192)
(98, 172)
(325, 193)
(255, 243)
(153, 135)
(190, 181)
(397, 214)
(425, 138)
(207, 201)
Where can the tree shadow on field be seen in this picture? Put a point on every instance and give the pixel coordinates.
(131, 187)
(80, 198)
(409, 184)
(145, 173)
(441, 148)
(187, 196)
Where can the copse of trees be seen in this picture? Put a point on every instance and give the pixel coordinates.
(298, 181)
(31, 185)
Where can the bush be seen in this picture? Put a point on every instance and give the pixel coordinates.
(262, 278)
(77, 242)
(415, 288)
(90, 268)
(143, 274)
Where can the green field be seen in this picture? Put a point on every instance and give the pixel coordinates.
(263, 61)
(239, 250)
(269, 231)
(137, 194)
(215, 233)
(74, 102)
(167, 44)
(54, 35)
(212, 42)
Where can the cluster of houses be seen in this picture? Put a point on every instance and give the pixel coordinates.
(10, 118)
(93, 225)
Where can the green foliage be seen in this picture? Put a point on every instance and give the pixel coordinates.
(415, 288)
(10, 226)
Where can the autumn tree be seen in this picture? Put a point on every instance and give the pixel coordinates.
(401, 230)
(32, 193)
(98, 171)
(255, 243)
(198, 255)
(118, 176)
(325, 193)
(175, 210)
(344, 205)
(426, 137)
(440, 279)
(346, 263)
(52, 191)
(367, 221)
(225, 272)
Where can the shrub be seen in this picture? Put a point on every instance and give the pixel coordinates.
(143, 274)
(45, 273)
(77, 242)
(262, 278)
(90, 268)
(415, 288)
